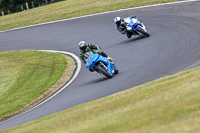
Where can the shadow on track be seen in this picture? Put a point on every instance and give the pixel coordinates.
(130, 40)
(96, 81)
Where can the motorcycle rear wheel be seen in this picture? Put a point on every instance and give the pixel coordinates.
(116, 71)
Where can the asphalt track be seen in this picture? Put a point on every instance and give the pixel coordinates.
(174, 46)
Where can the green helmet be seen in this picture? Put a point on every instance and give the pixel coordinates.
(82, 45)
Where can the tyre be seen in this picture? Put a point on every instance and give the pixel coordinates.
(103, 71)
(116, 71)
(128, 34)
(143, 32)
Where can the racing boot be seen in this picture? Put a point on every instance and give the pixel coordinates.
(91, 70)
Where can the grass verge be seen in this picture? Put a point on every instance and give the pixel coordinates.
(167, 105)
(69, 9)
(28, 77)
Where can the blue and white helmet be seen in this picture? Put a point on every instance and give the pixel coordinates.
(117, 19)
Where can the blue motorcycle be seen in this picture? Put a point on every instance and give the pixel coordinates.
(135, 27)
(100, 64)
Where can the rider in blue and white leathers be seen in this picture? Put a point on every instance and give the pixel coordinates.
(121, 26)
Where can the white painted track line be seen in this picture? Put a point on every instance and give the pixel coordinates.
(78, 68)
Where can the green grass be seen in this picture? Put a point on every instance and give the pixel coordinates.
(167, 105)
(27, 75)
(69, 9)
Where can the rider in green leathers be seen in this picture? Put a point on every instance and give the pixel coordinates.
(85, 47)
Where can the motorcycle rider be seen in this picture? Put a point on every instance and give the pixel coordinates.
(85, 47)
(121, 25)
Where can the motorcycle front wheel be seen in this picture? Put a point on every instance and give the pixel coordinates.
(104, 71)
(143, 32)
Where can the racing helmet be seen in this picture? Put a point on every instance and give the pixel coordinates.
(82, 45)
(117, 20)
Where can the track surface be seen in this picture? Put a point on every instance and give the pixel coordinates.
(174, 46)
